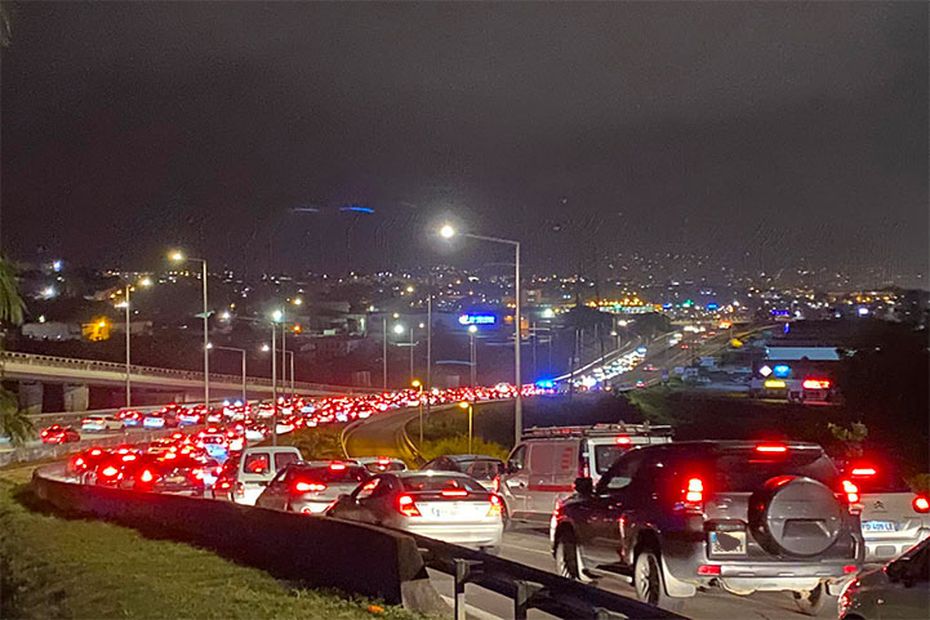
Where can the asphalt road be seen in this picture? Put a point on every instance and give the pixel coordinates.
(384, 435)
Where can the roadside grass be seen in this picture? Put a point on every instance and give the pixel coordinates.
(55, 567)
(320, 442)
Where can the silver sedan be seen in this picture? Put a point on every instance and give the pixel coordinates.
(451, 507)
(310, 487)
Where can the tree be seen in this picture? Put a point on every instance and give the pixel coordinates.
(14, 423)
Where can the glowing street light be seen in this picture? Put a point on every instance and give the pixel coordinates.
(398, 328)
(144, 282)
(467, 406)
(447, 231)
(178, 257)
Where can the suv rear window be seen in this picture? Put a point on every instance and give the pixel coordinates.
(351, 474)
(438, 483)
(747, 471)
(283, 459)
(606, 455)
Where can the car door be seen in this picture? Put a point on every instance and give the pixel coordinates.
(275, 494)
(514, 483)
(541, 469)
(359, 505)
(599, 533)
(909, 596)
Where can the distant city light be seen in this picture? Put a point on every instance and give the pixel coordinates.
(277, 316)
(863, 311)
(765, 371)
(398, 329)
(56, 265)
(447, 231)
(265, 348)
(49, 292)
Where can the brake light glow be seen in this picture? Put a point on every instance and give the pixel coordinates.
(146, 476)
(407, 507)
(129, 457)
(708, 569)
(453, 493)
(851, 491)
(303, 486)
(863, 472)
(496, 506)
(771, 448)
(384, 461)
(695, 490)
(623, 440)
(816, 384)
(496, 484)
(921, 504)
(96, 452)
(337, 466)
(109, 471)
(78, 462)
(849, 569)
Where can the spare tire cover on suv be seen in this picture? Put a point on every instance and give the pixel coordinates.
(795, 515)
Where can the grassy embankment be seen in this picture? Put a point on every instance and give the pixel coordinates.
(56, 567)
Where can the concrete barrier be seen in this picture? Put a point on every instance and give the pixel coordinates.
(315, 551)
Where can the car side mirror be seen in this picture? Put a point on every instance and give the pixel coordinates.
(897, 570)
(584, 486)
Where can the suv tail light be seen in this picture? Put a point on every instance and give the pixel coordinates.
(863, 472)
(851, 491)
(302, 486)
(407, 507)
(771, 448)
(496, 507)
(921, 504)
(692, 496)
(454, 493)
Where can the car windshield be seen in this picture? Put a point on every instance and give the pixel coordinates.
(606, 455)
(349, 474)
(438, 483)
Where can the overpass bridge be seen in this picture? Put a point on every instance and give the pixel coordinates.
(34, 377)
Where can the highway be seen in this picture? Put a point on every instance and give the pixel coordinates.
(384, 435)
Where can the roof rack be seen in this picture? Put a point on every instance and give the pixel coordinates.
(599, 430)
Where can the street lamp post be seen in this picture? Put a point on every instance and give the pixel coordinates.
(126, 302)
(384, 352)
(471, 415)
(179, 257)
(447, 232)
(276, 317)
(243, 353)
(417, 384)
(473, 354)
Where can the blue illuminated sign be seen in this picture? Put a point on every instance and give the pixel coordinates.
(545, 384)
(781, 370)
(477, 319)
(712, 306)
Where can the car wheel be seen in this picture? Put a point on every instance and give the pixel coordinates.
(648, 579)
(568, 562)
(811, 602)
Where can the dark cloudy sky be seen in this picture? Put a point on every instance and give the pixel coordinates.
(757, 133)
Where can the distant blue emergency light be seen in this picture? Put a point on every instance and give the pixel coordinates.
(781, 370)
(477, 319)
(712, 306)
(545, 384)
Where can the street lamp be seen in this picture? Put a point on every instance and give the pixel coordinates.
(447, 231)
(243, 353)
(179, 257)
(471, 414)
(473, 354)
(416, 383)
(144, 282)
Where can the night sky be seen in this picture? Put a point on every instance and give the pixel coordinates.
(759, 134)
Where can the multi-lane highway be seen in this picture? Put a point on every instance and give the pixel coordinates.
(385, 435)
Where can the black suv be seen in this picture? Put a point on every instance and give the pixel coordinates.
(743, 516)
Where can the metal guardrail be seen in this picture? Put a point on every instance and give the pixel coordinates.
(71, 363)
(528, 587)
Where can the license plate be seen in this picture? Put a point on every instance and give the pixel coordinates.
(879, 526)
(727, 543)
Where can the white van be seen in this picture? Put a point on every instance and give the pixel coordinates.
(543, 467)
(257, 466)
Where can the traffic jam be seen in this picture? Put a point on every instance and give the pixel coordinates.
(671, 518)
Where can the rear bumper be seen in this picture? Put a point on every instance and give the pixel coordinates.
(472, 535)
(311, 507)
(886, 548)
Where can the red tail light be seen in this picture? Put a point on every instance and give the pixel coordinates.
(78, 462)
(496, 506)
(851, 491)
(407, 507)
(863, 472)
(708, 569)
(921, 504)
(816, 384)
(771, 448)
(496, 484)
(109, 471)
(302, 486)
(692, 495)
(146, 476)
(454, 493)
(96, 452)
(129, 457)
(337, 466)
(623, 440)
